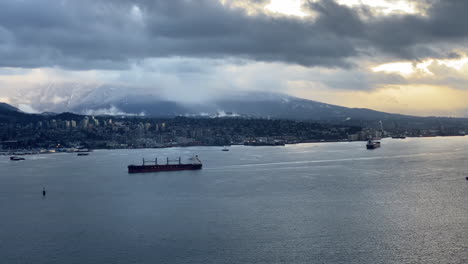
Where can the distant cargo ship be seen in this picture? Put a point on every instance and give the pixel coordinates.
(372, 144)
(195, 164)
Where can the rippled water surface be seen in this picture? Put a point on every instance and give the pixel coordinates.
(406, 202)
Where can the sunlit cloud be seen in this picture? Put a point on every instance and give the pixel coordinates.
(385, 7)
(294, 7)
(287, 7)
(250, 7)
(424, 66)
(454, 63)
(410, 68)
(5, 100)
(403, 68)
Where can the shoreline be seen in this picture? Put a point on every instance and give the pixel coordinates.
(24, 152)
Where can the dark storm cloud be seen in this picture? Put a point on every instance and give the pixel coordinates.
(107, 34)
(417, 37)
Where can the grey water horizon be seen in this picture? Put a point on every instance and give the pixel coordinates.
(306, 203)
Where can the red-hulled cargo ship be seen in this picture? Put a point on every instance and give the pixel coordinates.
(195, 164)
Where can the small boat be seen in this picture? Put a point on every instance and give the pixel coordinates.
(225, 149)
(83, 154)
(372, 144)
(16, 158)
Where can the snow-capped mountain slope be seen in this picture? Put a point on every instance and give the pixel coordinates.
(261, 105)
(122, 100)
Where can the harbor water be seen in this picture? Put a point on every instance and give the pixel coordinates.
(406, 202)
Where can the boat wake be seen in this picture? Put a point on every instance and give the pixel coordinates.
(299, 162)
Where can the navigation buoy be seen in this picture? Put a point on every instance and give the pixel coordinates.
(43, 192)
(466, 178)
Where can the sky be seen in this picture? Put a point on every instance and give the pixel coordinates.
(400, 56)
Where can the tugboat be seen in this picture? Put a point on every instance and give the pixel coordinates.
(372, 144)
(16, 158)
(176, 165)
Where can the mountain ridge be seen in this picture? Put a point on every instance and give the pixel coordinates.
(4, 107)
(249, 105)
(256, 105)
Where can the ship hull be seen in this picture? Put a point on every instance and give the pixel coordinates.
(158, 168)
(373, 146)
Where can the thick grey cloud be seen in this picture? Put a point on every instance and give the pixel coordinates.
(414, 37)
(105, 34)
